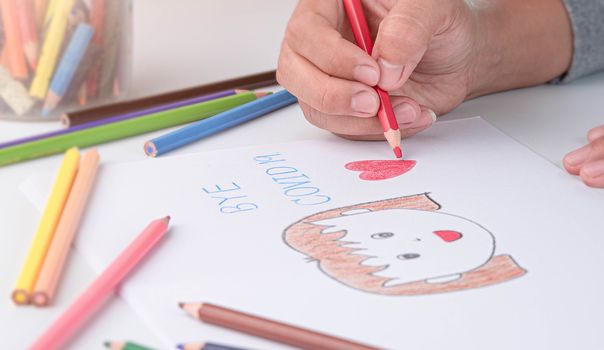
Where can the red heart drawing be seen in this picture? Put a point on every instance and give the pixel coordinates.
(372, 170)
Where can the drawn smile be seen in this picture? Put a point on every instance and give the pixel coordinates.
(448, 235)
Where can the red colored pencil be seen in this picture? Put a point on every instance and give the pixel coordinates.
(29, 32)
(354, 10)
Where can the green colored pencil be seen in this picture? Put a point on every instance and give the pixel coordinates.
(124, 345)
(123, 129)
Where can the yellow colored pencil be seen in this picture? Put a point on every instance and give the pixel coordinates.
(51, 48)
(46, 228)
(58, 251)
(50, 11)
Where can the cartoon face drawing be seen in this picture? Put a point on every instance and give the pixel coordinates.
(412, 245)
(401, 246)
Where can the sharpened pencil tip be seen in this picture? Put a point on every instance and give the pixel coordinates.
(398, 152)
(180, 346)
(181, 305)
(167, 219)
(107, 344)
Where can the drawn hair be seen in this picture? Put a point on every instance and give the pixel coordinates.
(341, 263)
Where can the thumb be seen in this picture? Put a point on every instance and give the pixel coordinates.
(403, 38)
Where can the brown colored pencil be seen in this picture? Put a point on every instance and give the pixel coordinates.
(249, 82)
(269, 329)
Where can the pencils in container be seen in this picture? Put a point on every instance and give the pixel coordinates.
(269, 329)
(102, 288)
(54, 262)
(219, 122)
(46, 228)
(354, 10)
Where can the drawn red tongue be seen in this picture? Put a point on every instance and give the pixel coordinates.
(448, 236)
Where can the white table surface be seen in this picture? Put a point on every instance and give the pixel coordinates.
(187, 42)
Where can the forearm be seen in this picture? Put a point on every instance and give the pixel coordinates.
(521, 43)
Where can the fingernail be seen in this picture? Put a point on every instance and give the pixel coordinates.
(405, 113)
(391, 74)
(364, 102)
(366, 74)
(578, 157)
(593, 170)
(432, 115)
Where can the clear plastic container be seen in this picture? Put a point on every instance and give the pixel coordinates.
(62, 55)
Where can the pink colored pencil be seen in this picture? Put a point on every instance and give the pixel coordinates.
(51, 272)
(29, 32)
(102, 288)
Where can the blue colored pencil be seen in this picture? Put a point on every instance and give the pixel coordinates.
(217, 123)
(69, 63)
(205, 346)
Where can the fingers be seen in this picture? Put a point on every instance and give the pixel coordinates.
(313, 35)
(330, 95)
(370, 128)
(595, 133)
(403, 38)
(588, 163)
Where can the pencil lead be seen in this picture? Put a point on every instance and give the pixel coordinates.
(181, 305)
(398, 152)
(167, 219)
(107, 344)
(180, 346)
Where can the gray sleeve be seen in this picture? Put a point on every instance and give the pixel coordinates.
(587, 17)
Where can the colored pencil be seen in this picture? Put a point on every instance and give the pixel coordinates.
(67, 67)
(117, 118)
(89, 61)
(14, 93)
(248, 83)
(40, 12)
(56, 257)
(111, 44)
(269, 329)
(206, 346)
(14, 43)
(46, 228)
(122, 129)
(97, 20)
(102, 288)
(219, 122)
(29, 31)
(51, 48)
(123, 345)
(356, 17)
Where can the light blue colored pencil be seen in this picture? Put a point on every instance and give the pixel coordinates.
(69, 63)
(219, 122)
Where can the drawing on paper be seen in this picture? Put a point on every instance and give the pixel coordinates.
(373, 170)
(401, 246)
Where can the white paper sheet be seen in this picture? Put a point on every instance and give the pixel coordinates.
(481, 245)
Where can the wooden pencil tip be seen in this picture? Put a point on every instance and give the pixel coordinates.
(65, 120)
(107, 344)
(20, 297)
(260, 94)
(167, 219)
(40, 299)
(191, 308)
(181, 305)
(150, 149)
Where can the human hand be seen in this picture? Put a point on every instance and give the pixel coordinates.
(588, 161)
(430, 55)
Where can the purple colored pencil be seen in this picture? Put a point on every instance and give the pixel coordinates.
(120, 117)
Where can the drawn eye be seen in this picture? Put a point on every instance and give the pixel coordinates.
(408, 256)
(382, 235)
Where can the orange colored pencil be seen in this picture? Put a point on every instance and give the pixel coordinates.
(54, 262)
(29, 32)
(97, 21)
(14, 45)
(57, 335)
